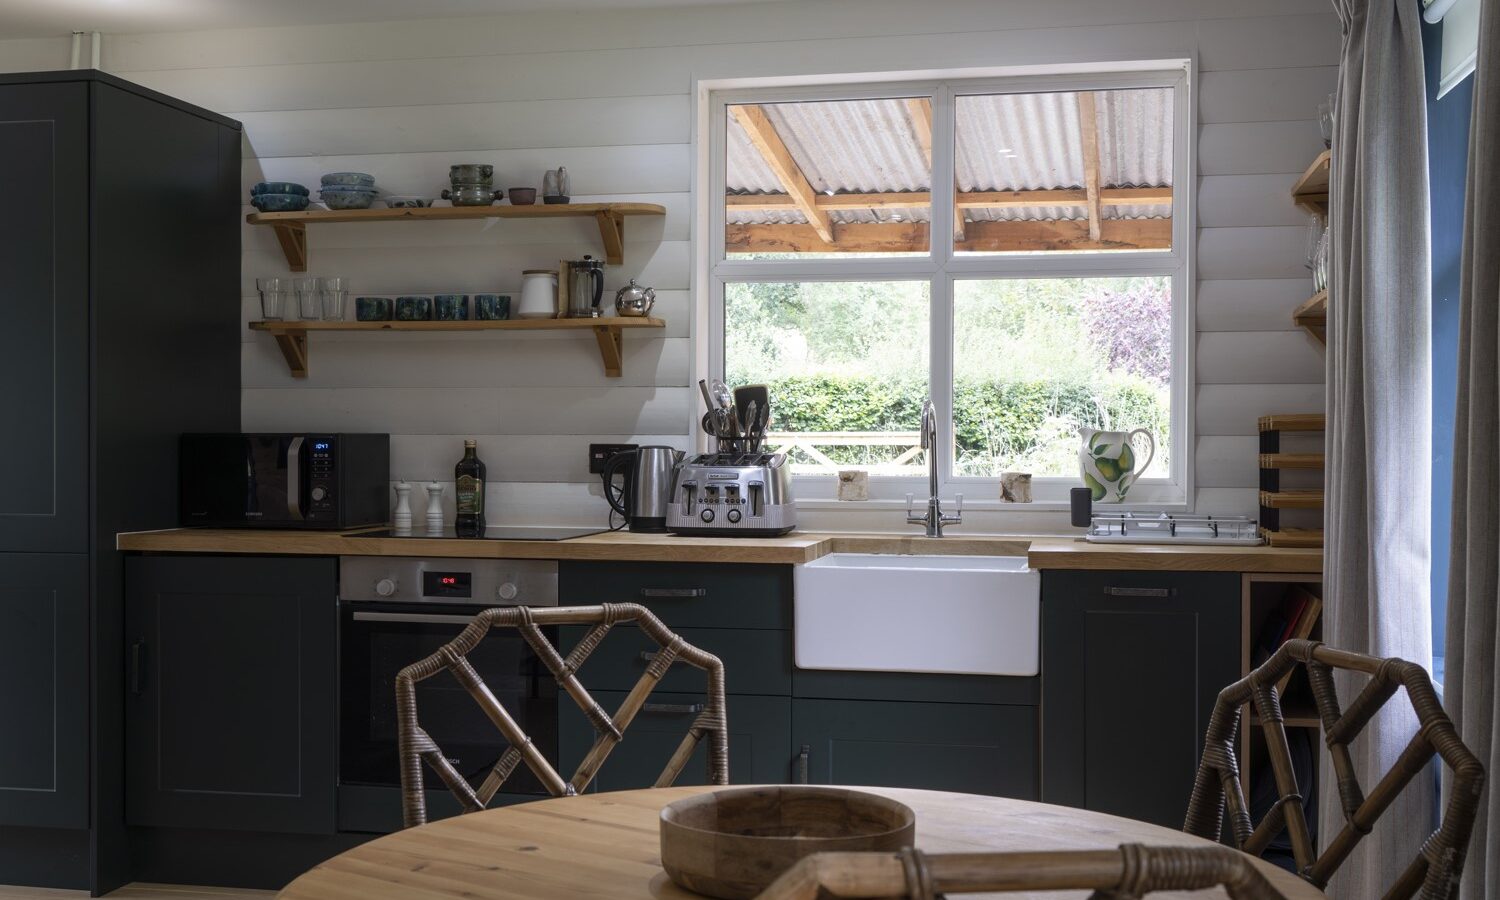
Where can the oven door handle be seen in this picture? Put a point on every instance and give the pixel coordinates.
(294, 478)
(415, 618)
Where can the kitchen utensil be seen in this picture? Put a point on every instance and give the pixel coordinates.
(434, 507)
(555, 187)
(522, 196)
(708, 400)
(372, 309)
(413, 309)
(309, 304)
(746, 394)
(275, 296)
(349, 179)
(348, 197)
(491, 307)
(642, 498)
(401, 517)
(747, 428)
(278, 187)
(585, 287)
(450, 307)
(1108, 461)
(538, 294)
(279, 202)
(634, 300)
(334, 294)
(720, 391)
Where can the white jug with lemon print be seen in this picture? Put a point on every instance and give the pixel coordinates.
(1109, 462)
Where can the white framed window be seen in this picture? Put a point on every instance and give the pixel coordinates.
(1017, 248)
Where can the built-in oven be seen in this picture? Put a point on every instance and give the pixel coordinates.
(395, 611)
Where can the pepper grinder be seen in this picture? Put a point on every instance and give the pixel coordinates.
(401, 518)
(434, 508)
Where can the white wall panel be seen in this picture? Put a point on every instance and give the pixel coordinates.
(1249, 148)
(1235, 408)
(1246, 304)
(1259, 357)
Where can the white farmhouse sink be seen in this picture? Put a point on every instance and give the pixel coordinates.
(971, 615)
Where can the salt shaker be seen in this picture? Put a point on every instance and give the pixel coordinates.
(401, 518)
(434, 507)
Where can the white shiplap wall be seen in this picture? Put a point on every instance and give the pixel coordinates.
(609, 96)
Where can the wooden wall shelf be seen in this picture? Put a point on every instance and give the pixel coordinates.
(1313, 315)
(291, 335)
(1273, 497)
(291, 227)
(1311, 190)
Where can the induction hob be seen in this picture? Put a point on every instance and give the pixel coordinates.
(492, 533)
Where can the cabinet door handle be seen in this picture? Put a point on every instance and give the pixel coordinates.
(137, 650)
(666, 593)
(802, 764)
(1139, 592)
(676, 709)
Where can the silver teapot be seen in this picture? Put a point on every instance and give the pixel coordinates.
(634, 300)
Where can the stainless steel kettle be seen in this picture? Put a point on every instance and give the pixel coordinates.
(647, 489)
(634, 300)
(585, 287)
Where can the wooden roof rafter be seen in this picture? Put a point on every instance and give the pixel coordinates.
(1088, 128)
(1003, 236)
(763, 136)
(920, 109)
(1108, 197)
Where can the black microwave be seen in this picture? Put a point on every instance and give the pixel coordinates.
(331, 481)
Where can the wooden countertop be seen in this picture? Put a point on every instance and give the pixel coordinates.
(1049, 552)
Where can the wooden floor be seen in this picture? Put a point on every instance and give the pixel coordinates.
(139, 892)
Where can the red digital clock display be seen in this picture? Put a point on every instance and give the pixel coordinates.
(446, 584)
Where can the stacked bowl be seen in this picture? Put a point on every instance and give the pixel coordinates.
(278, 196)
(348, 190)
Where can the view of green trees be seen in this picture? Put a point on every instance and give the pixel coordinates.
(1033, 360)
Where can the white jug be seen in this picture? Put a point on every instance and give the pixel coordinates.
(538, 294)
(1108, 462)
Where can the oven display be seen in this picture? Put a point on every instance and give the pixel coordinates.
(447, 584)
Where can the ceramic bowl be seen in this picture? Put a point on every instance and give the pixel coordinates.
(522, 196)
(491, 307)
(406, 201)
(347, 198)
(472, 195)
(413, 309)
(348, 179)
(372, 309)
(278, 187)
(450, 307)
(279, 202)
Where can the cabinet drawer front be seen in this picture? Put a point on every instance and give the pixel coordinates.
(686, 595)
(755, 662)
(759, 741)
(1101, 587)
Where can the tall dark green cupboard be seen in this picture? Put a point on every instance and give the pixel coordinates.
(119, 321)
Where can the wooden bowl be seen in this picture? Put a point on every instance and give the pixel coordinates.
(734, 843)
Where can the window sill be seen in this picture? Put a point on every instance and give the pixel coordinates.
(824, 504)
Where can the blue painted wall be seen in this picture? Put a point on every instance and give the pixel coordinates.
(1448, 154)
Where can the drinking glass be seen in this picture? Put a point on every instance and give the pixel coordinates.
(1326, 119)
(307, 298)
(335, 293)
(273, 296)
(1314, 236)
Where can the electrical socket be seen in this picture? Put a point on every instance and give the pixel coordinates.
(599, 454)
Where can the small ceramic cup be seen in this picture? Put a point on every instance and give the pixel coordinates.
(491, 307)
(413, 309)
(372, 309)
(522, 196)
(450, 307)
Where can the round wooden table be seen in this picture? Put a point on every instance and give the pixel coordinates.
(605, 846)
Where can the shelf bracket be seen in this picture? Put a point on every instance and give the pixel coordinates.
(611, 342)
(293, 238)
(293, 346)
(612, 230)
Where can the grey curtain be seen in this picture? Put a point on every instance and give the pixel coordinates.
(1472, 691)
(1376, 519)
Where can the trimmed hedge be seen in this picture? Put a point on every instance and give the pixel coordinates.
(988, 414)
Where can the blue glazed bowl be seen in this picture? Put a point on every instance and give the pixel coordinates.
(413, 309)
(278, 187)
(450, 307)
(348, 179)
(491, 307)
(279, 202)
(372, 309)
(347, 198)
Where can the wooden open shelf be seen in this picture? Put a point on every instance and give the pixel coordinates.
(1313, 315)
(291, 227)
(291, 335)
(1294, 537)
(1299, 498)
(1291, 460)
(1293, 422)
(1311, 190)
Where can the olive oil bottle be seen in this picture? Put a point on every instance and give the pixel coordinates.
(469, 478)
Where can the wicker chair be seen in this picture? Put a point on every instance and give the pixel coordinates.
(416, 747)
(1130, 872)
(1438, 866)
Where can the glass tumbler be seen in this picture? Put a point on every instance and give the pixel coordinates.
(335, 295)
(274, 293)
(308, 301)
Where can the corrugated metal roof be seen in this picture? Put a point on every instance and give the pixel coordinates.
(1005, 142)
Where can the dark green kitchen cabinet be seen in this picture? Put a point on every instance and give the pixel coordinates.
(755, 661)
(968, 747)
(1132, 663)
(44, 705)
(685, 595)
(231, 715)
(759, 740)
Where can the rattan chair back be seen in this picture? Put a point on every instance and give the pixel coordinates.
(416, 747)
(1217, 789)
(1128, 873)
